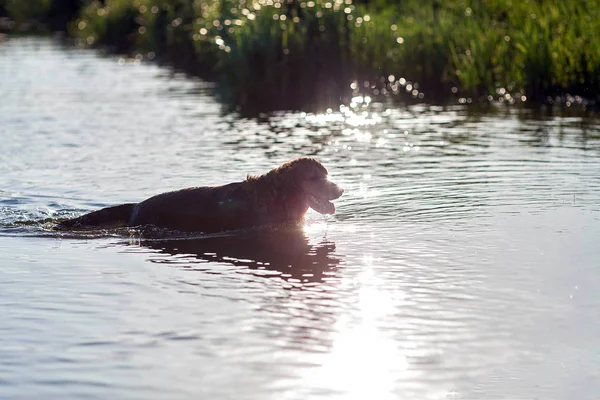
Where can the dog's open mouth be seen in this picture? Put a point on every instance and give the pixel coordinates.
(320, 205)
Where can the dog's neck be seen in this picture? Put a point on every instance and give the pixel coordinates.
(279, 200)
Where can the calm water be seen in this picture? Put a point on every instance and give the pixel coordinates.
(462, 263)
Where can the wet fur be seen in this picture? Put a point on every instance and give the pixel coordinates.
(280, 195)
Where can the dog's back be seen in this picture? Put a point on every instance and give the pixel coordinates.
(203, 209)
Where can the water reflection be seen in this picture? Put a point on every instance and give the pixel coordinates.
(365, 361)
(483, 279)
(283, 253)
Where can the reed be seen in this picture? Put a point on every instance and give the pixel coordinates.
(274, 54)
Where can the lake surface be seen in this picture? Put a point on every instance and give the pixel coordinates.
(463, 261)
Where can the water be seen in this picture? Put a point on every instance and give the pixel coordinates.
(462, 261)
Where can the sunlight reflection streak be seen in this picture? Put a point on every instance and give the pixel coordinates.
(365, 362)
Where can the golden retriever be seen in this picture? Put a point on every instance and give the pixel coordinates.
(283, 194)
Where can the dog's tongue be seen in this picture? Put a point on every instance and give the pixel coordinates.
(321, 206)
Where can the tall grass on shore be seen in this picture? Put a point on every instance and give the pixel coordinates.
(39, 15)
(530, 49)
(273, 54)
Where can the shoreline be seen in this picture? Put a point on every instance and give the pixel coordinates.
(269, 55)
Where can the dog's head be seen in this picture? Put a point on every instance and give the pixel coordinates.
(311, 177)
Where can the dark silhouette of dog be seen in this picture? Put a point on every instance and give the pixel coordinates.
(283, 194)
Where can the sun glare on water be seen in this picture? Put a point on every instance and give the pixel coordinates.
(365, 362)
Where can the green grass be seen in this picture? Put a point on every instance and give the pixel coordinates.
(40, 15)
(271, 54)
